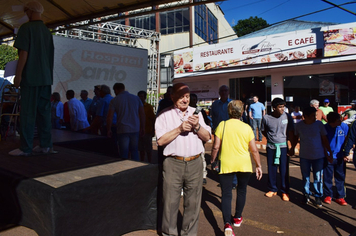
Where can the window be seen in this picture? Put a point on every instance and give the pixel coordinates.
(145, 22)
(206, 24)
(176, 21)
(121, 21)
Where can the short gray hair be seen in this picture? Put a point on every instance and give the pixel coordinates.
(34, 6)
(314, 101)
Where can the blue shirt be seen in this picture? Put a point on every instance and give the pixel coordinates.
(126, 107)
(257, 109)
(219, 112)
(103, 108)
(336, 137)
(87, 103)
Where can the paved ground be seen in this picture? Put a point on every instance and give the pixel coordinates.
(266, 216)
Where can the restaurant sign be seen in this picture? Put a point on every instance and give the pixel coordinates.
(259, 50)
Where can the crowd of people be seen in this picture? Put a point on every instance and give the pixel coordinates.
(182, 130)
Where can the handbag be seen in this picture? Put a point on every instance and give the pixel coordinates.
(215, 166)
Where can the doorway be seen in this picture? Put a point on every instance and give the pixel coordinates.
(242, 88)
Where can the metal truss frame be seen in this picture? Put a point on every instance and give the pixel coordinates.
(114, 33)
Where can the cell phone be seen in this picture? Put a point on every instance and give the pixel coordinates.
(197, 110)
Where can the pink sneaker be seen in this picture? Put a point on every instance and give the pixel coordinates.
(228, 230)
(237, 221)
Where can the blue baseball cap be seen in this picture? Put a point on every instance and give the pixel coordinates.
(326, 101)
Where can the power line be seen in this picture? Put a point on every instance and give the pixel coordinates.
(274, 7)
(338, 6)
(243, 5)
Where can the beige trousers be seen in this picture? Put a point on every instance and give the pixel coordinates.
(189, 176)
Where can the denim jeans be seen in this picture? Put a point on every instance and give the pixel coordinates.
(283, 170)
(128, 142)
(336, 171)
(256, 123)
(226, 192)
(317, 166)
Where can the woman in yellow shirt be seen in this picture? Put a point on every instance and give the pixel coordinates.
(234, 138)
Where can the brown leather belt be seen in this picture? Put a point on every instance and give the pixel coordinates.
(186, 159)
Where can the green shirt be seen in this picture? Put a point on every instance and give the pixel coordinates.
(326, 111)
(35, 38)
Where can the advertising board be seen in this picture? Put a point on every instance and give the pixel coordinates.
(83, 64)
(259, 50)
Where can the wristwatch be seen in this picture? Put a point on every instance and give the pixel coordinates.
(196, 130)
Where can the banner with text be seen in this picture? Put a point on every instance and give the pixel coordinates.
(272, 48)
(80, 64)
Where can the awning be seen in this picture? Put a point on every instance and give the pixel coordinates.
(64, 12)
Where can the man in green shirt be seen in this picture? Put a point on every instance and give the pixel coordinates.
(326, 109)
(34, 75)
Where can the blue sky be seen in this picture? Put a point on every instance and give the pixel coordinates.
(274, 11)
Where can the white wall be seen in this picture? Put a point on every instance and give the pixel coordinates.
(173, 42)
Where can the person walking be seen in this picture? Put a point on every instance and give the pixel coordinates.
(336, 133)
(314, 150)
(234, 140)
(34, 74)
(256, 111)
(278, 127)
(220, 113)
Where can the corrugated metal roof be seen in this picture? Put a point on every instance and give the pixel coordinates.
(286, 26)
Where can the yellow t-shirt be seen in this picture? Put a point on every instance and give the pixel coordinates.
(234, 152)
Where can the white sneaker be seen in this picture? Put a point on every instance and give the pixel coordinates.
(18, 152)
(39, 150)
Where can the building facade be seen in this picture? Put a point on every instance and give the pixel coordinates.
(300, 65)
(181, 28)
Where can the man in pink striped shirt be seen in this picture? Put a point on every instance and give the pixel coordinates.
(180, 133)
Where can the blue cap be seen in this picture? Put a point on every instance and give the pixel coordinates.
(326, 101)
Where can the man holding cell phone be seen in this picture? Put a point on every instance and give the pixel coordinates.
(181, 132)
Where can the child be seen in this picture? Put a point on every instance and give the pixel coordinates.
(336, 133)
(314, 147)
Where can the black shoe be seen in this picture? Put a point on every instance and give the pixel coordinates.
(204, 181)
(306, 199)
(318, 202)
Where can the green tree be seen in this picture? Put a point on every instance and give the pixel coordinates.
(250, 25)
(7, 53)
